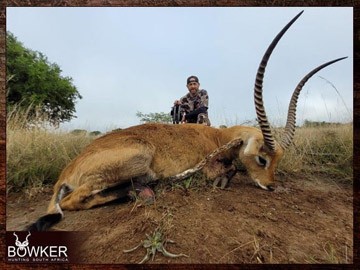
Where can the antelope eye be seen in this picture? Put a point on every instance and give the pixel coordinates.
(261, 161)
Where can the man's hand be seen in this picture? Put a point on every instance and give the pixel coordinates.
(183, 120)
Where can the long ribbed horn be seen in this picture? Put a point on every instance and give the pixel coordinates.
(259, 106)
(291, 117)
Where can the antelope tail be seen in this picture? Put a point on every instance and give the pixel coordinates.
(45, 222)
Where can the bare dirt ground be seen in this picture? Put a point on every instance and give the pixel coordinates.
(303, 221)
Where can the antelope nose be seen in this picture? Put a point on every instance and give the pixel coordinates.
(271, 187)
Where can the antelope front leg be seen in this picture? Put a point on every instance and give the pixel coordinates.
(224, 179)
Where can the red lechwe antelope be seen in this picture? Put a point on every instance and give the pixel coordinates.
(109, 167)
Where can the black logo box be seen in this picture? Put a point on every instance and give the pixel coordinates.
(71, 240)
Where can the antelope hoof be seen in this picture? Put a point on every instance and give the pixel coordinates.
(223, 180)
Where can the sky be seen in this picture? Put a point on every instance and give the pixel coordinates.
(126, 60)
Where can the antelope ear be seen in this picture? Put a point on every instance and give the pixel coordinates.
(252, 146)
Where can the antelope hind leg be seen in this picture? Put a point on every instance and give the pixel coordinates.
(111, 180)
(85, 197)
(95, 188)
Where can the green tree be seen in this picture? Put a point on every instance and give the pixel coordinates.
(154, 117)
(95, 133)
(308, 123)
(32, 81)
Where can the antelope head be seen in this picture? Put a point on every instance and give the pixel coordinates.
(261, 152)
(19, 244)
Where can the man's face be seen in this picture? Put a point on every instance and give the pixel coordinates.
(193, 87)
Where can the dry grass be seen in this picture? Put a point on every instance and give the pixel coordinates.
(332, 254)
(37, 153)
(327, 150)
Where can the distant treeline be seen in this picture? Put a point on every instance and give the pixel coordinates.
(308, 123)
(84, 132)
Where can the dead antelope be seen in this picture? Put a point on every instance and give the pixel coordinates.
(116, 163)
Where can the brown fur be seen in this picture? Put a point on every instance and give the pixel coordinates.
(150, 152)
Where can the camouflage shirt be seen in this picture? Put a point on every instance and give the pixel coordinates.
(190, 103)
